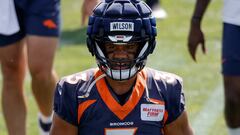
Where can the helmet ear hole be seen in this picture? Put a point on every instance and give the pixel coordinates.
(90, 46)
(143, 33)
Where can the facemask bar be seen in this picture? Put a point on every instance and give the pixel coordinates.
(121, 74)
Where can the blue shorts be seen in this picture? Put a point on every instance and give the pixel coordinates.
(35, 17)
(231, 50)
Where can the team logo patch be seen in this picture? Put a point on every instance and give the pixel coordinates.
(152, 112)
(50, 24)
(121, 26)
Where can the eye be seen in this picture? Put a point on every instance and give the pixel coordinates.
(110, 47)
(132, 47)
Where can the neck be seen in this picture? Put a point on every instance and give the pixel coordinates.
(121, 87)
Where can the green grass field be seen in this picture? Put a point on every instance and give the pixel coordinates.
(202, 80)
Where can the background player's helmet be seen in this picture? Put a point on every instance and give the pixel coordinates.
(121, 22)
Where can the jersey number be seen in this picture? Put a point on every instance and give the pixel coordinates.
(120, 131)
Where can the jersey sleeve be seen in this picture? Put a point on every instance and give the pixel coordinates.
(65, 102)
(175, 104)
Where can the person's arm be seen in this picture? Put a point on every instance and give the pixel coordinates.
(87, 8)
(65, 108)
(180, 126)
(61, 127)
(196, 36)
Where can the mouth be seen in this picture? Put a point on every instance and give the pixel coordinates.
(120, 66)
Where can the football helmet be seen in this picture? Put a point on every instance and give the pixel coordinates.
(121, 22)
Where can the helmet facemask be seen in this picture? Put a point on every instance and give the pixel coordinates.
(123, 66)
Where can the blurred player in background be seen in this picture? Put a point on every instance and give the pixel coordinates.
(157, 10)
(155, 5)
(87, 8)
(29, 31)
(121, 96)
(230, 55)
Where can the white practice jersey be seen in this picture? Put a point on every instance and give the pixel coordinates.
(231, 12)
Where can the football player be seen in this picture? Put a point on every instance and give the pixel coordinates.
(230, 55)
(29, 36)
(121, 96)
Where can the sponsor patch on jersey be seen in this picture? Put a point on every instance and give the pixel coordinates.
(121, 26)
(152, 112)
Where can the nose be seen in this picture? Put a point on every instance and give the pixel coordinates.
(120, 52)
(120, 47)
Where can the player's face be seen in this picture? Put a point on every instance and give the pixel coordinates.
(121, 56)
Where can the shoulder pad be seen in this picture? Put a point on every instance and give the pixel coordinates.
(77, 77)
(167, 77)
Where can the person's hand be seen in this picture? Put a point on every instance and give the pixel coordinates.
(87, 8)
(195, 38)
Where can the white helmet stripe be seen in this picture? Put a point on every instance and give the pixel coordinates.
(143, 50)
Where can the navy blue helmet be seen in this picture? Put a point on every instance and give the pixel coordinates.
(121, 22)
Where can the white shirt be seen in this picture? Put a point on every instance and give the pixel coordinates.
(231, 12)
(8, 18)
